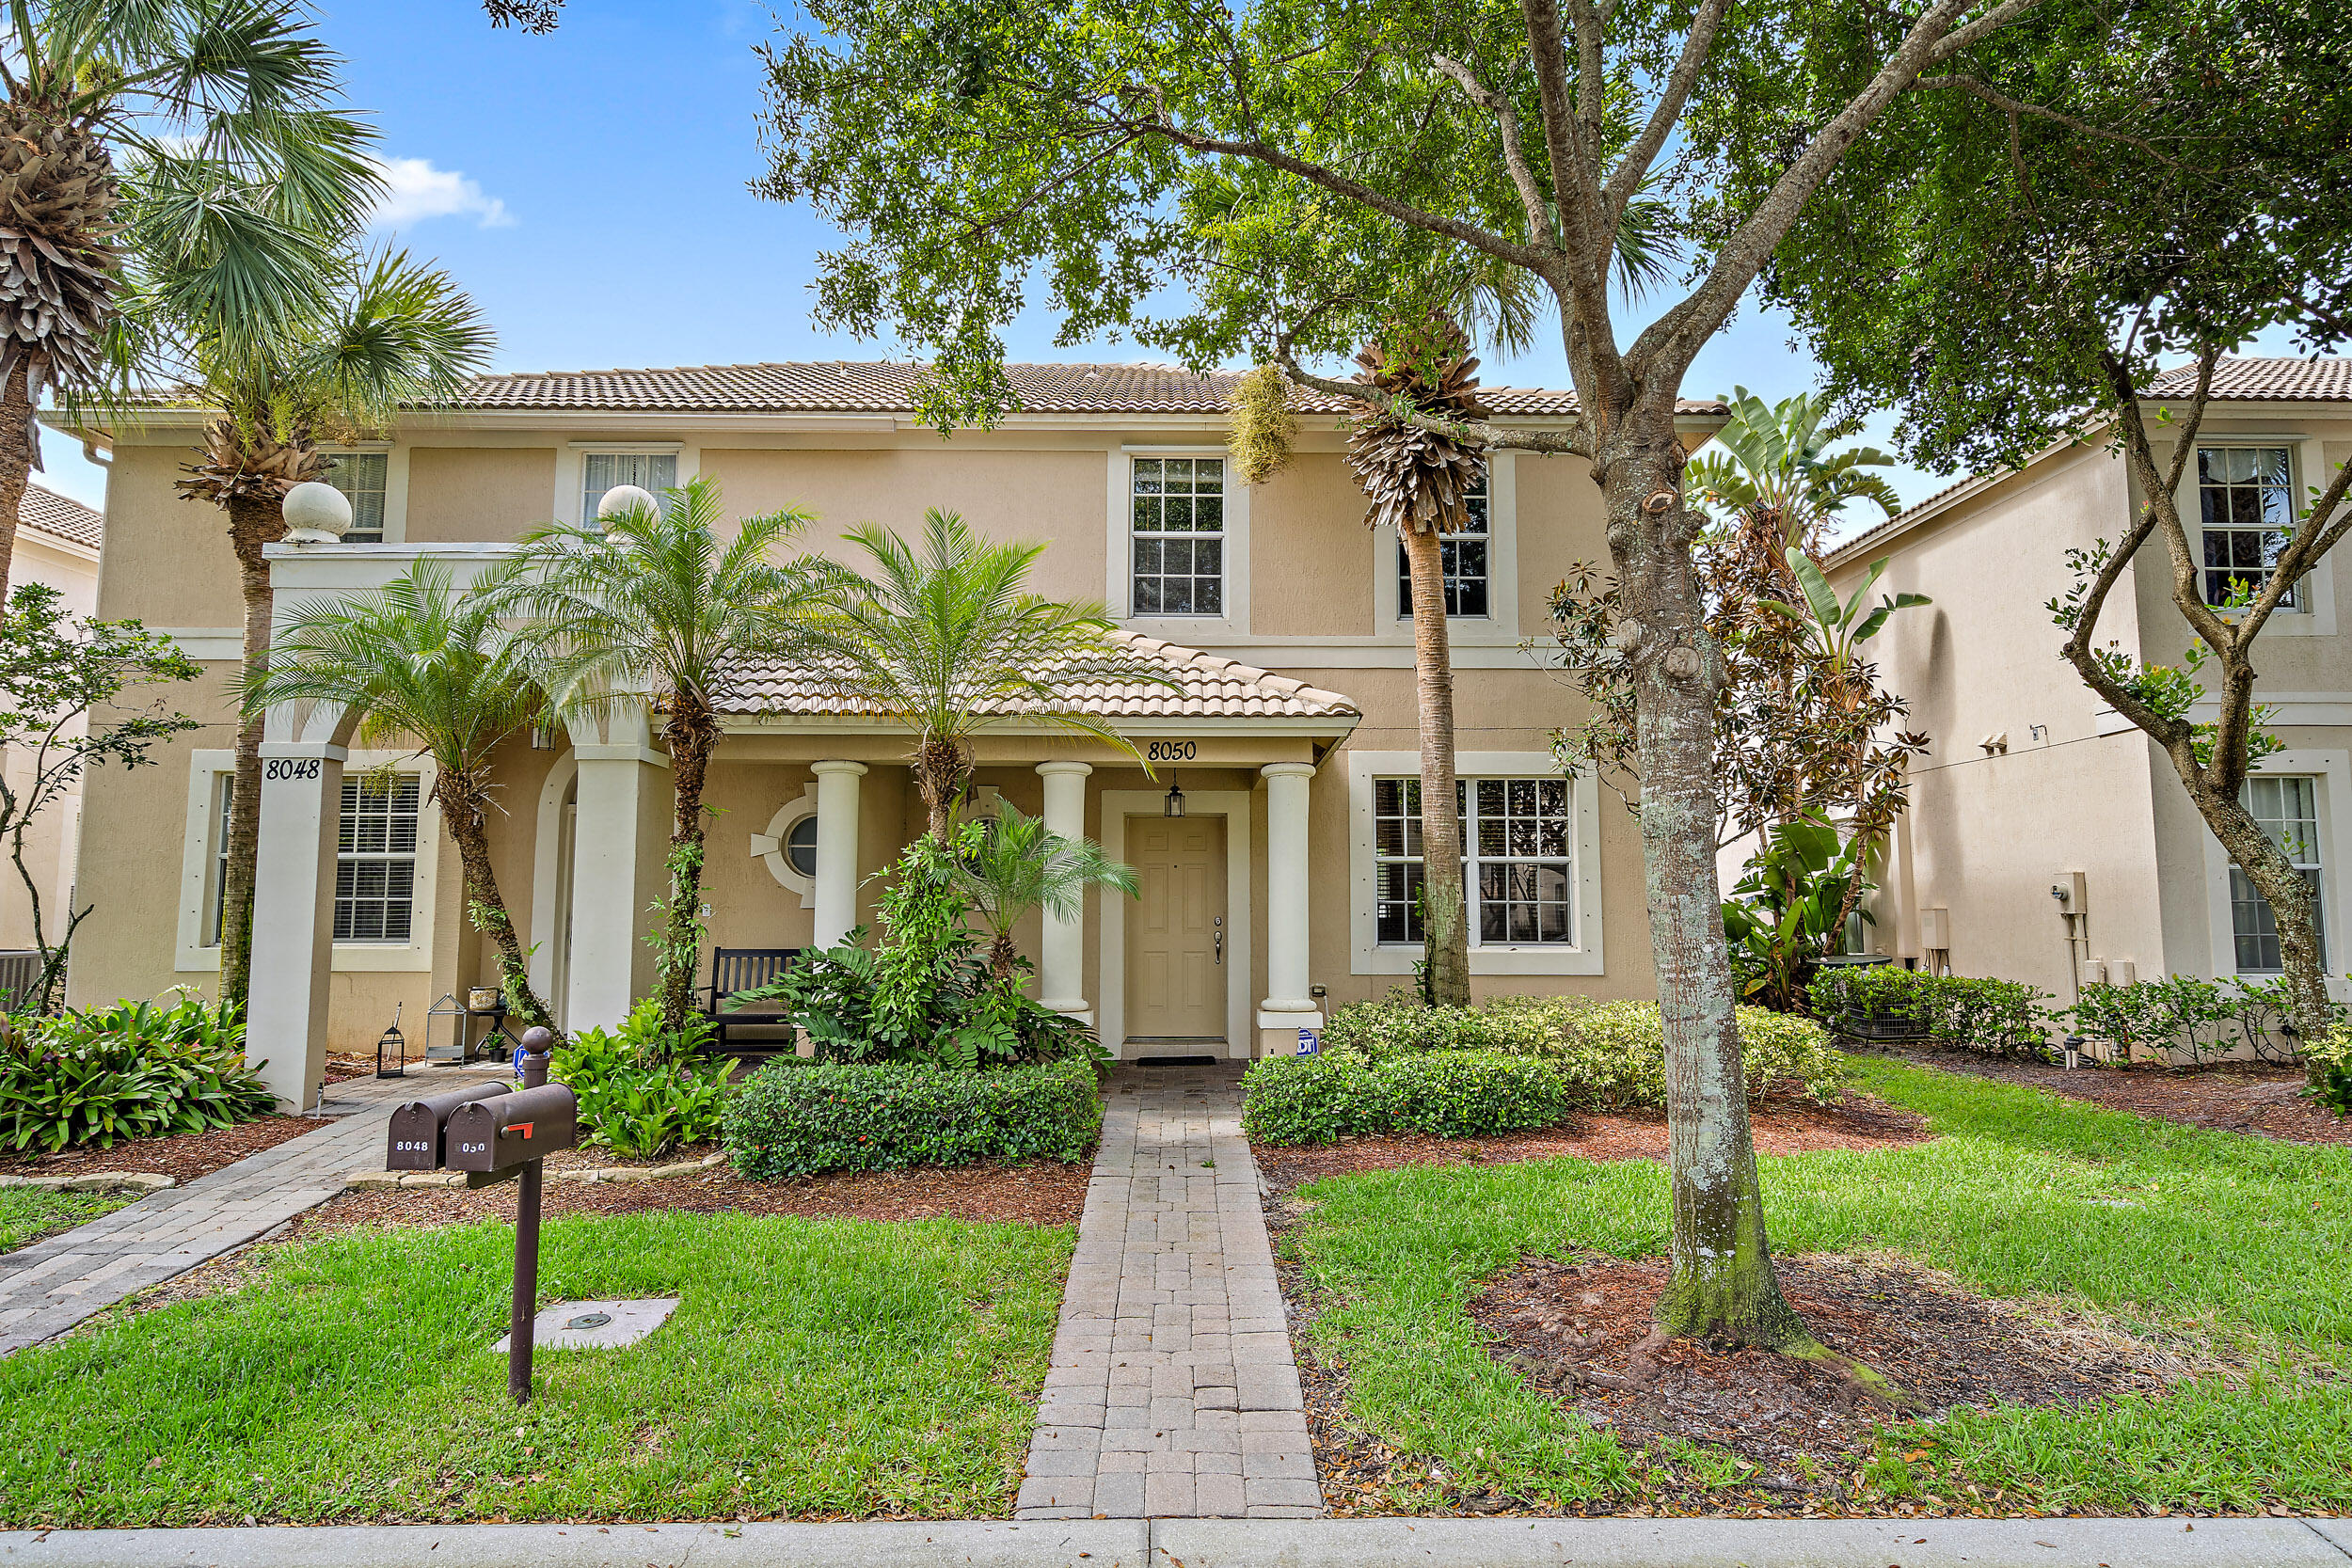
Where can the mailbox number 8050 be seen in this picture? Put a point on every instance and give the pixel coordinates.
(290, 767)
(1171, 750)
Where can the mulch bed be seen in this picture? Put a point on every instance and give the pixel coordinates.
(2235, 1097)
(1782, 1127)
(184, 1158)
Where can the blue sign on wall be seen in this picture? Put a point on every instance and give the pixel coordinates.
(1308, 1042)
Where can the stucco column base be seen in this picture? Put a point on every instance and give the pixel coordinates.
(621, 802)
(294, 918)
(1277, 1028)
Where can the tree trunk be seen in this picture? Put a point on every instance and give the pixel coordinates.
(2267, 866)
(16, 464)
(1445, 929)
(938, 776)
(461, 804)
(1721, 1281)
(691, 734)
(254, 521)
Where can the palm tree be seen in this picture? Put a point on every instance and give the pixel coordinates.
(1772, 463)
(366, 338)
(424, 665)
(948, 640)
(1420, 483)
(239, 84)
(655, 603)
(1020, 865)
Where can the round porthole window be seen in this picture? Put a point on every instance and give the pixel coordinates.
(799, 846)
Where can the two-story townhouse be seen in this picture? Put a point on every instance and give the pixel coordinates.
(2048, 839)
(57, 543)
(1286, 737)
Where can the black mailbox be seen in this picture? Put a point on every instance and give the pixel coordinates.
(418, 1127)
(513, 1129)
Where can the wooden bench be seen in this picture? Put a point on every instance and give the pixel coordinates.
(734, 968)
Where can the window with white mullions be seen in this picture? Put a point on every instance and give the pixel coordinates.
(1177, 536)
(216, 895)
(1464, 555)
(2246, 504)
(2286, 807)
(375, 860)
(1517, 871)
(362, 476)
(655, 472)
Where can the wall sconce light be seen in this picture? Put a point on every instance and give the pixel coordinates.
(1174, 805)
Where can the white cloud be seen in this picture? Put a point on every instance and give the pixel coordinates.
(418, 191)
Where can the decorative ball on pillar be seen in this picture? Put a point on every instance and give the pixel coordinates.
(625, 500)
(531, 1061)
(316, 514)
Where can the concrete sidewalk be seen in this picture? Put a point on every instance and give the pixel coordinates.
(1226, 1543)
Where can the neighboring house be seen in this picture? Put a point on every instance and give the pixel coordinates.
(2048, 840)
(58, 543)
(1290, 727)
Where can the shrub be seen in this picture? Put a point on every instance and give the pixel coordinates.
(643, 1091)
(1469, 1094)
(131, 1070)
(2177, 1016)
(1310, 1100)
(794, 1119)
(2001, 1017)
(2331, 1061)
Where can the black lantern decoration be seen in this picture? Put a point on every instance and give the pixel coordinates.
(392, 1043)
(1174, 805)
(445, 1015)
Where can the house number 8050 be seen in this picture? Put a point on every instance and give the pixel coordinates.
(1171, 750)
(290, 767)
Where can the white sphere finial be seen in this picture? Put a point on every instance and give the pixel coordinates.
(623, 499)
(316, 514)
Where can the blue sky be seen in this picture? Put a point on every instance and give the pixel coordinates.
(589, 188)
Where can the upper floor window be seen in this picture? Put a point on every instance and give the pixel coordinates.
(2246, 504)
(1464, 554)
(1516, 872)
(1178, 536)
(361, 477)
(375, 859)
(2287, 808)
(652, 471)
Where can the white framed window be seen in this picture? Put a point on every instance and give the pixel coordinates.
(216, 865)
(365, 479)
(1531, 863)
(788, 845)
(599, 472)
(1176, 536)
(2246, 510)
(2287, 808)
(375, 859)
(1466, 554)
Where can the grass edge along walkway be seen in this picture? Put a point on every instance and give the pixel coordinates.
(2227, 1239)
(827, 1369)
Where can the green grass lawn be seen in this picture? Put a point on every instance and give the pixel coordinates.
(819, 1368)
(28, 1213)
(2241, 1242)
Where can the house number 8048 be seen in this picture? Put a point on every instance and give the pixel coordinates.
(290, 767)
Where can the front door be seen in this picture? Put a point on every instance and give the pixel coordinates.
(1176, 935)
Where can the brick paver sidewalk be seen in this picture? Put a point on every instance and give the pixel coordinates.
(50, 1286)
(1172, 1392)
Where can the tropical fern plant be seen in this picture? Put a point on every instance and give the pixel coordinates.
(1017, 866)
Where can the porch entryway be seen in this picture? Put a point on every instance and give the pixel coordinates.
(1176, 933)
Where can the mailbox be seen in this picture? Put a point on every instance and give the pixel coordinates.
(512, 1129)
(418, 1127)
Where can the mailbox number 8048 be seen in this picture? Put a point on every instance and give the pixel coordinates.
(1170, 751)
(290, 767)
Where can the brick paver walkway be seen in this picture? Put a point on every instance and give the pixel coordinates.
(50, 1286)
(1172, 1392)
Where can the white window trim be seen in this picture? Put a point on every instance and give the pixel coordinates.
(1501, 623)
(2333, 769)
(1118, 581)
(395, 484)
(197, 847)
(1582, 956)
(2316, 616)
(570, 471)
(768, 845)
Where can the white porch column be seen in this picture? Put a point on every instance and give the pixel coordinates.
(1287, 1008)
(1063, 950)
(608, 904)
(836, 850)
(294, 917)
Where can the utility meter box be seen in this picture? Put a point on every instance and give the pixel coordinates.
(1935, 930)
(513, 1128)
(2071, 891)
(418, 1127)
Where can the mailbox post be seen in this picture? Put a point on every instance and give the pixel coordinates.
(518, 1326)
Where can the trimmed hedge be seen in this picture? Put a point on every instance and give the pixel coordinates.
(2000, 1017)
(792, 1119)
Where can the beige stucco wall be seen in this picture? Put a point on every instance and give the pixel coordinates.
(49, 839)
(459, 493)
(167, 560)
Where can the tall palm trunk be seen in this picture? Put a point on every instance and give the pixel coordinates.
(1721, 1280)
(254, 521)
(16, 467)
(463, 813)
(939, 769)
(691, 733)
(1445, 929)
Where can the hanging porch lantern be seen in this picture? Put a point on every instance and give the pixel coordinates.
(1174, 804)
